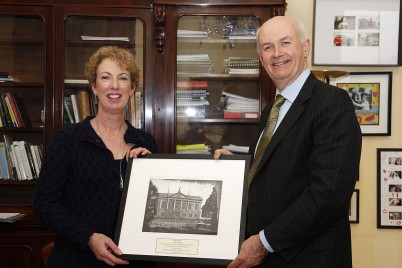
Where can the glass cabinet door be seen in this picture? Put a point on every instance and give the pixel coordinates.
(217, 83)
(83, 36)
(22, 87)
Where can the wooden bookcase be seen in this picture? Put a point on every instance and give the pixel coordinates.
(40, 45)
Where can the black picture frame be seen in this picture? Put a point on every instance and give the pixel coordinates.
(354, 207)
(389, 188)
(183, 208)
(349, 33)
(377, 87)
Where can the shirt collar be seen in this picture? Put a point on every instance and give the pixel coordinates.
(290, 92)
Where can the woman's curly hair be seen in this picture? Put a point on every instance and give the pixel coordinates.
(123, 57)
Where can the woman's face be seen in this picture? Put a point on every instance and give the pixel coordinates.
(113, 86)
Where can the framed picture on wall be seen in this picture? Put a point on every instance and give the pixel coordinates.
(183, 208)
(370, 93)
(349, 33)
(389, 188)
(354, 207)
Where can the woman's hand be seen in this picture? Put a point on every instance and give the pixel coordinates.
(103, 247)
(136, 152)
(219, 152)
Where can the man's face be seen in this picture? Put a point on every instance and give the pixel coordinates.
(282, 53)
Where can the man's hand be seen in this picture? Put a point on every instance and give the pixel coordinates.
(103, 247)
(252, 253)
(137, 152)
(219, 152)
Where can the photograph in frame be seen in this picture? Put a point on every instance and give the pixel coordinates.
(349, 33)
(354, 207)
(183, 208)
(389, 188)
(370, 93)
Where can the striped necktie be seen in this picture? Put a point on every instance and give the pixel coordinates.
(267, 135)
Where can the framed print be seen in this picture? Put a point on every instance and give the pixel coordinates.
(183, 208)
(354, 207)
(347, 32)
(371, 96)
(389, 188)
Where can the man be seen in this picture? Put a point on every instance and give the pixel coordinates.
(299, 196)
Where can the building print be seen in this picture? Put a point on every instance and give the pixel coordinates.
(177, 212)
(178, 205)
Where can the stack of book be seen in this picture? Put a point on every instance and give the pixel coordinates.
(240, 107)
(191, 99)
(241, 65)
(5, 77)
(12, 111)
(236, 148)
(194, 64)
(11, 217)
(199, 148)
(19, 160)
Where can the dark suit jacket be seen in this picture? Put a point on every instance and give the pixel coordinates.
(301, 192)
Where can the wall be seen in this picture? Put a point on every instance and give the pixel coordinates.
(372, 247)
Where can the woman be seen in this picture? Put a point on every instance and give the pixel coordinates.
(81, 179)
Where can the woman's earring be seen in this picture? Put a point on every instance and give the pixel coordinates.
(96, 99)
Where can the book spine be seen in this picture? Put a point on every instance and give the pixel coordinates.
(67, 108)
(84, 108)
(241, 115)
(21, 110)
(7, 117)
(132, 110)
(35, 159)
(30, 160)
(138, 109)
(75, 108)
(10, 111)
(23, 175)
(25, 160)
(14, 109)
(5, 172)
(192, 84)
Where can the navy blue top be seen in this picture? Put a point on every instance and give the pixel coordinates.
(78, 191)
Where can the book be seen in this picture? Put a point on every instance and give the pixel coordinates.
(4, 111)
(30, 159)
(138, 110)
(5, 172)
(75, 108)
(10, 217)
(37, 156)
(13, 105)
(8, 140)
(10, 111)
(236, 149)
(84, 108)
(22, 111)
(192, 84)
(24, 161)
(68, 108)
(241, 115)
(20, 163)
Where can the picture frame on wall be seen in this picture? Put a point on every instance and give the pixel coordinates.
(389, 188)
(370, 93)
(183, 208)
(349, 33)
(354, 207)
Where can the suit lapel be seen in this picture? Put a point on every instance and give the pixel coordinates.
(295, 111)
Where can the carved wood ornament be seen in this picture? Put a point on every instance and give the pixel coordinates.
(160, 27)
